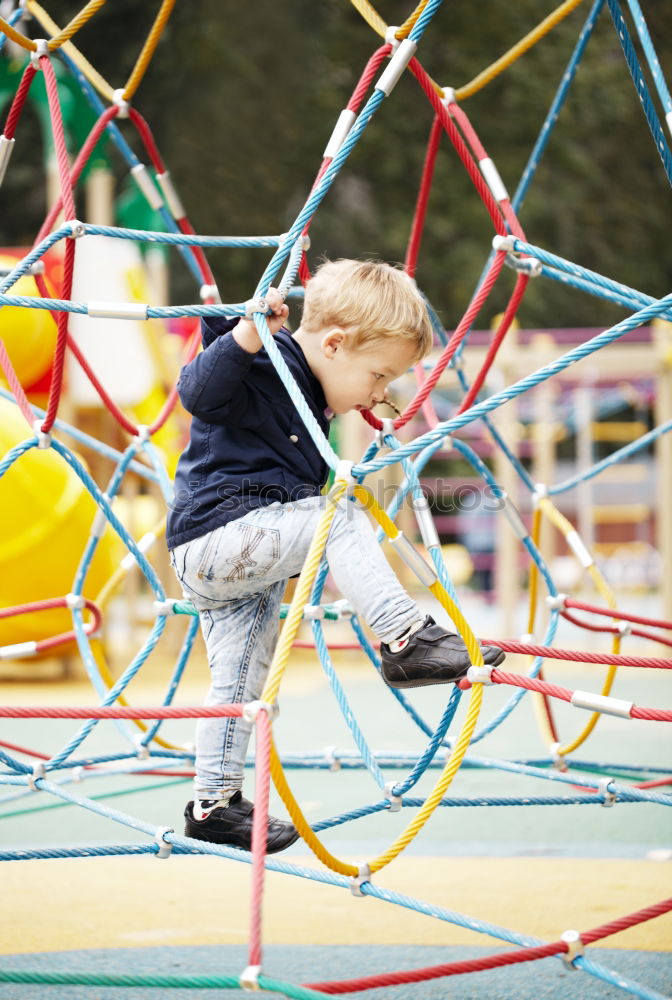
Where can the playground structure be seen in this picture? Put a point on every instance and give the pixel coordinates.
(47, 485)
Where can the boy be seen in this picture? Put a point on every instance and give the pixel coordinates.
(248, 498)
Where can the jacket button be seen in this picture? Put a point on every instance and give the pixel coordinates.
(294, 438)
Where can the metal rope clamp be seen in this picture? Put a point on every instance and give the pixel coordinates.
(558, 759)
(342, 472)
(121, 102)
(357, 881)
(41, 49)
(394, 800)
(331, 758)
(604, 790)
(249, 979)
(166, 607)
(37, 773)
(575, 948)
(479, 675)
(43, 437)
(252, 709)
(165, 847)
(313, 612)
(387, 428)
(391, 37)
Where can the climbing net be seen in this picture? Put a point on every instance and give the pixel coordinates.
(26, 771)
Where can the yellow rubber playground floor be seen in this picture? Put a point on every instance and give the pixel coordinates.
(534, 870)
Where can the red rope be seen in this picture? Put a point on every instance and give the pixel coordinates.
(65, 179)
(80, 162)
(612, 613)
(564, 694)
(105, 398)
(145, 133)
(190, 351)
(366, 79)
(574, 656)
(502, 330)
(480, 153)
(62, 324)
(651, 714)
(121, 712)
(460, 146)
(19, 101)
(642, 633)
(259, 832)
(15, 385)
(491, 961)
(29, 753)
(423, 196)
(448, 352)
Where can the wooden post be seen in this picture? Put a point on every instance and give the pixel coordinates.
(507, 586)
(584, 460)
(662, 332)
(100, 197)
(543, 434)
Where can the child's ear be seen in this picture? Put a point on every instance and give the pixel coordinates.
(332, 340)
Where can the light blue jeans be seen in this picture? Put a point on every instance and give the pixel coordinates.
(236, 576)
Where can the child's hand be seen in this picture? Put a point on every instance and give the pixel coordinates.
(279, 311)
(245, 333)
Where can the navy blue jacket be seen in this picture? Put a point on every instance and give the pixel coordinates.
(248, 445)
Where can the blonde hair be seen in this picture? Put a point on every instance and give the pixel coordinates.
(370, 300)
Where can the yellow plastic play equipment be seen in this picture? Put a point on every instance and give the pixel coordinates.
(48, 512)
(28, 334)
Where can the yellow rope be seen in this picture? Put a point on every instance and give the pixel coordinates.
(371, 16)
(407, 27)
(300, 822)
(517, 50)
(534, 574)
(60, 36)
(16, 36)
(603, 588)
(537, 698)
(91, 74)
(148, 48)
(281, 657)
(78, 21)
(376, 22)
(82, 64)
(450, 770)
(301, 595)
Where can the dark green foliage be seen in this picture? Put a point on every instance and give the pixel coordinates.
(243, 96)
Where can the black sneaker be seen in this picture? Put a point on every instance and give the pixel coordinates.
(232, 825)
(430, 655)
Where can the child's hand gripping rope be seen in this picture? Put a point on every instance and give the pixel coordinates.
(245, 333)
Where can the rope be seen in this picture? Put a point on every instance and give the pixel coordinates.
(442, 751)
(519, 49)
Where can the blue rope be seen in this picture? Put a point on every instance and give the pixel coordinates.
(556, 106)
(126, 152)
(651, 57)
(639, 318)
(641, 87)
(630, 295)
(86, 439)
(617, 456)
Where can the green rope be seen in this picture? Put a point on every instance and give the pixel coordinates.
(331, 613)
(162, 982)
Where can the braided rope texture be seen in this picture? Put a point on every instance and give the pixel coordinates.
(26, 770)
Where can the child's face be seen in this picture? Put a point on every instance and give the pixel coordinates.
(358, 379)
